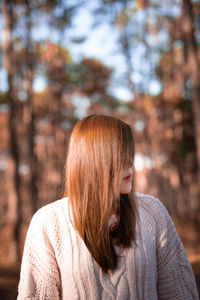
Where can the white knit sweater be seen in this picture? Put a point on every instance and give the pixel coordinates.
(57, 265)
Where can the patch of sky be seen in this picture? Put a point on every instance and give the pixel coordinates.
(101, 40)
(197, 37)
(3, 163)
(65, 125)
(123, 109)
(155, 56)
(139, 125)
(42, 1)
(40, 70)
(142, 162)
(95, 97)
(22, 95)
(19, 44)
(137, 77)
(118, 63)
(158, 40)
(152, 40)
(20, 10)
(164, 37)
(148, 162)
(152, 17)
(4, 108)
(155, 87)
(58, 10)
(187, 93)
(178, 44)
(72, 2)
(121, 93)
(23, 169)
(138, 54)
(196, 21)
(140, 78)
(56, 36)
(81, 104)
(39, 83)
(155, 2)
(83, 17)
(170, 9)
(119, 87)
(140, 16)
(3, 80)
(20, 29)
(176, 10)
(97, 45)
(41, 29)
(143, 74)
(78, 31)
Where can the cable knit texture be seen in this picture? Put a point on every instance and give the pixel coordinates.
(56, 263)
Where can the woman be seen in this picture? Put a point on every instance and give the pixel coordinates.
(103, 240)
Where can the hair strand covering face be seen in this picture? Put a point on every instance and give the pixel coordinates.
(100, 147)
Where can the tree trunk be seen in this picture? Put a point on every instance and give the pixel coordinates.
(14, 198)
(192, 69)
(30, 112)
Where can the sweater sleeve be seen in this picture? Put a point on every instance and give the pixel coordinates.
(39, 277)
(175, 276)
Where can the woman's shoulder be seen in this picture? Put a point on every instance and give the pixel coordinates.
(152, 206)
(48, 222)
(146, 200)
(50, 212)
(53, 206)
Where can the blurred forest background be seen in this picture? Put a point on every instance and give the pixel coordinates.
(138, 60)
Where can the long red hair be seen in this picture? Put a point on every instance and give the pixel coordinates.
(100, 147)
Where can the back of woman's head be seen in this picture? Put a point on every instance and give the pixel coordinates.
(100, 148)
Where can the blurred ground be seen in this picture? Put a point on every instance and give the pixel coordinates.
(9, 275)
(190, 237)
